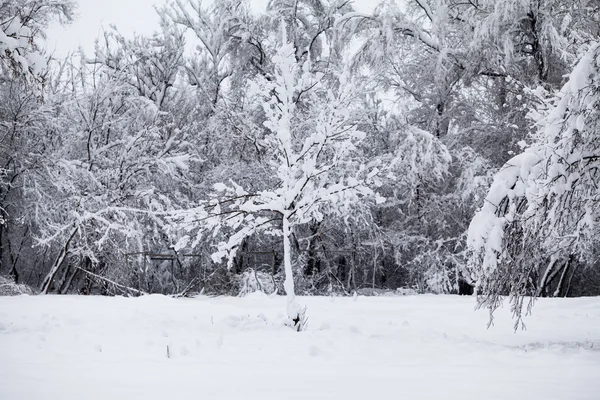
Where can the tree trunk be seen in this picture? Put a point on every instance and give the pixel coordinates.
(293, 309)
(1, 246)
(442, 123)
(573, 270)
(66, 284)
(562, 278)
(62, 255)
(536, 47)
(546, 278)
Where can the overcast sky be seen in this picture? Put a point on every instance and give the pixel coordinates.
(127, 15)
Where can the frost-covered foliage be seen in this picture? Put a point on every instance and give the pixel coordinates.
(461, 70)
(567, 200)
(21, 27)
(420, 159)
(344, 150)
(10, 288)
(540, 217)
(505, 200)
(101, 175)
(225, 43)
(149, 64)
(533, 34)
(251, 281)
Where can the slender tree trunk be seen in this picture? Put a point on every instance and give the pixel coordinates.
(68, 279)
(73, 272)
(293, 309)
(541, 292)
(562, 278)
(1, 247)
(57, 263)
(442, 122)
(374, 271)
(537, 49)
(13, 262)
(573, 270)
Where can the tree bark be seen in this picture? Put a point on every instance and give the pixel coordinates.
(293, 309)
(562, 278)
(62, 255)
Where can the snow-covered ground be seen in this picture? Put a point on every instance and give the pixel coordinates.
(414, 347)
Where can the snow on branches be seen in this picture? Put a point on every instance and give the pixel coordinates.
(20, 27)
(547, 197)
(312, 143)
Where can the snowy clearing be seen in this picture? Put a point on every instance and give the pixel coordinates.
(413, 347)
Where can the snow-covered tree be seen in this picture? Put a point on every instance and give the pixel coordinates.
(311, 26)
(461, 70)
(94, 193)
(222, 33)
(149, 64)
(255, 139)
(22, 24)
(311, 141)
(530, 35)
(23, 117)
(541, 215)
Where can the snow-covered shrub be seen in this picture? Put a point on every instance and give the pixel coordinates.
(406, 292)
(438, 279)
(9, 288)
(374, 292)
(251, 281)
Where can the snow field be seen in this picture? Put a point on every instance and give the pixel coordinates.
(412, 347)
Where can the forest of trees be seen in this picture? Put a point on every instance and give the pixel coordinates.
(309, 146)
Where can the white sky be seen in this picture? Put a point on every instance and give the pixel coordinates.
(128, 16)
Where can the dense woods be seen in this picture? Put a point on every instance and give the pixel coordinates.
(433, 145)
